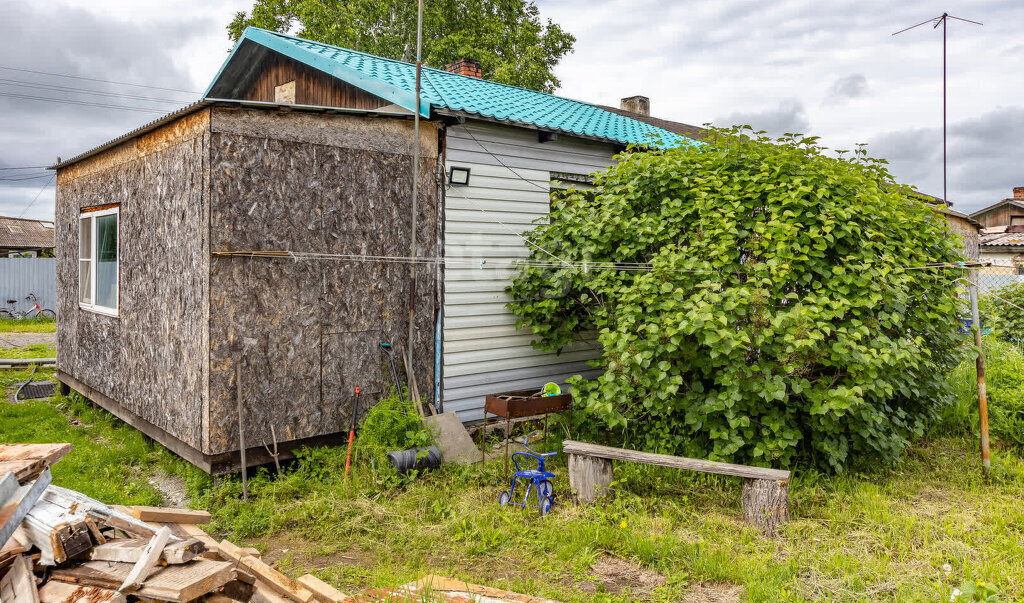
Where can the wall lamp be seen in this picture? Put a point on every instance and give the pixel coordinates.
(458, 176)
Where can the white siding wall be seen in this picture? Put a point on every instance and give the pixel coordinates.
(508, 190)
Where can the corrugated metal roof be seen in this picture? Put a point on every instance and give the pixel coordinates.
(1002, 239)
(19, 233)
(395, 81)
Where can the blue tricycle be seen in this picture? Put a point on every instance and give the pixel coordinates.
(537, 477)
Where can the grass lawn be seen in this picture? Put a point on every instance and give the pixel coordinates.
(909, 532)
(914, 531)
(28, 325)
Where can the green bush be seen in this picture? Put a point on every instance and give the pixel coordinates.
(778, 322)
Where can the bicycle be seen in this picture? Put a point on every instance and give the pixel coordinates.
(35, 312)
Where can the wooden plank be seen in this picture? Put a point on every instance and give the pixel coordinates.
(262, 593)
(277, 581)
(62, 592)
(675, 462)
(179, 583)
(12, 515)
(324, 592)
(27, 461)
(169, 515)
(129, 550)
(18, 584)
(147, 559)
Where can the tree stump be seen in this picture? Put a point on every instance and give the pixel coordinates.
(589, 477)
(766, 504)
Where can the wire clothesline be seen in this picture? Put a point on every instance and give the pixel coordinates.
(493, 263)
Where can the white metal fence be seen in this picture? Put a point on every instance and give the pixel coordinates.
(21, 276)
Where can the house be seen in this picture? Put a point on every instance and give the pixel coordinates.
(1002, 238)
(240, 260)
(20, 237)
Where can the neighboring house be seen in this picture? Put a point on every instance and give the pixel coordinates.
(25, 238)
(1002, 235)
(270, 221)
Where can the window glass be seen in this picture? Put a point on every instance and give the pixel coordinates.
(106, 261)
(84, 261)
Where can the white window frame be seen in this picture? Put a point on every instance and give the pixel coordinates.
(90, 216)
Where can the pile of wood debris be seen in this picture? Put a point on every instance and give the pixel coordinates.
(60, 546)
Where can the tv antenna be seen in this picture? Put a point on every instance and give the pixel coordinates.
(936, 21)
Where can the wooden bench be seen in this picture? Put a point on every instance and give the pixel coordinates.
(765, 494)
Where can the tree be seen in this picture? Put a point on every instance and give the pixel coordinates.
(775, 314)
(508, 37)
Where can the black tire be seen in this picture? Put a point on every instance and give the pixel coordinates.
(48, 314)
(6, 314)
(503, 498)
(545, 506)
(546, 489)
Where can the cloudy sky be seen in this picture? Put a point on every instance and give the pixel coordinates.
(831, 69)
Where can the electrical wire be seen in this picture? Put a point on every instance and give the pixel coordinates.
(92, 79)
(33, 202)
(23, 178)
(56, 88)
(83, 103)
(29, 167)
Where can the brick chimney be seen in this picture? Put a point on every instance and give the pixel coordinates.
(1018, 192)
(636, 104)
(465, 67)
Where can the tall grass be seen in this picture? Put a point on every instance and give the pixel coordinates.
(1004, 380)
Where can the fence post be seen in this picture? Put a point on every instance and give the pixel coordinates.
(986, 461)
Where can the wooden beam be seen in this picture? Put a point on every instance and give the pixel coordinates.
(147, 559)
(27, 461)
(169, 515)
(277, 581)
(130, 550)
(675, 462)
(322, 591)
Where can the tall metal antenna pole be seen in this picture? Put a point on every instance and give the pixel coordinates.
(941, 20)
(415, 197)
(986, 463)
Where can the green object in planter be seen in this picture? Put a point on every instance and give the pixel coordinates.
(552, 389)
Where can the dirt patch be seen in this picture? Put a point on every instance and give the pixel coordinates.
(615, 576)
(309, 555)
(172, 487)
(20, 340)
(713, 592)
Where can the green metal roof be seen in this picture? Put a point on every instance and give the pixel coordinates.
(395, 81)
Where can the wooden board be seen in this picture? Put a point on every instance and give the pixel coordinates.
(675, 462)
(129, 550)
(19, 585)
(438, 589)
(322, 591)
(62, 592)
(281, 584)
(177, 583)
(27, 461)
(169, 515)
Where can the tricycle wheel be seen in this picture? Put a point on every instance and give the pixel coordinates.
(546, 489)
(545, 506)
(503, 498)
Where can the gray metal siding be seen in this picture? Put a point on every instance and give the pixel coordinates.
(21, 276)
(508, 194)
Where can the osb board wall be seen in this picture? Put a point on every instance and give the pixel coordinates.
(327, 184)
(152, 358)
(312, 87)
